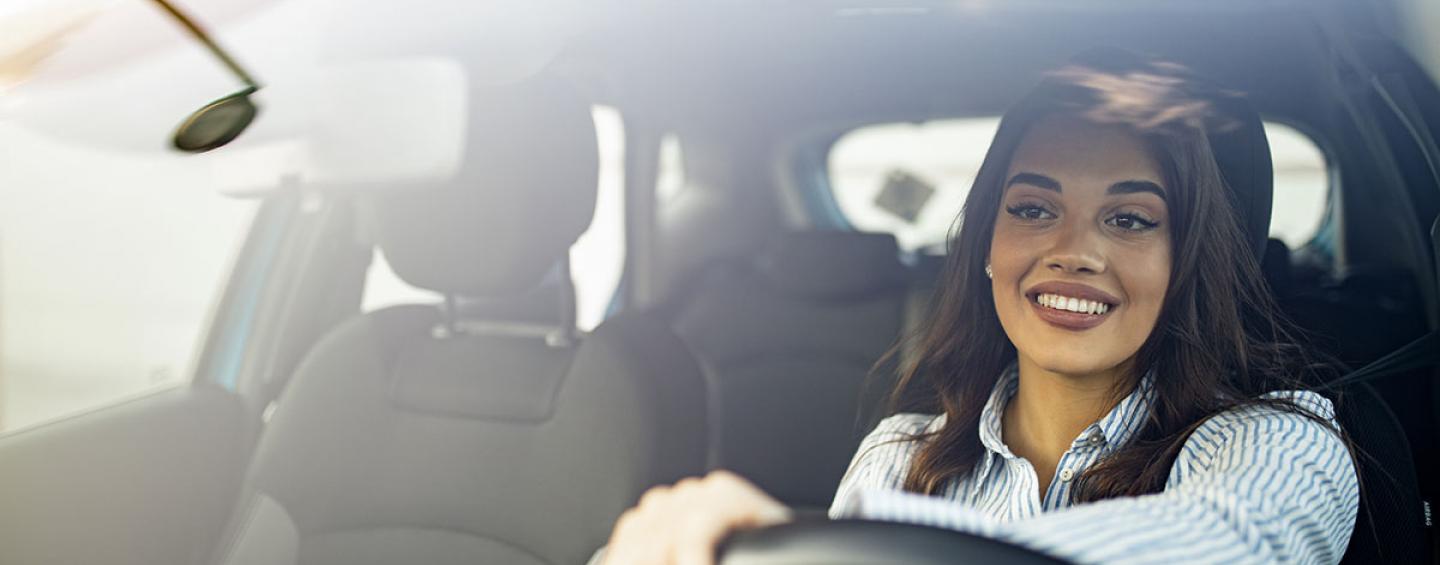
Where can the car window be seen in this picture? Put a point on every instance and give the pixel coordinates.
(109, 264)
(596, 259)
(911, 179)
(1302, 185)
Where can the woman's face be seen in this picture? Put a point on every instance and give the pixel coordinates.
(1081, 249)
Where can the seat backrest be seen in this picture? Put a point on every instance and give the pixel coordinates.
(788, 340)
(1386, 466)
(1389, 527)
(1356, 321)
(422, 434)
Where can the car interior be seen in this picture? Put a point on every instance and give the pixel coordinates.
(751, 328)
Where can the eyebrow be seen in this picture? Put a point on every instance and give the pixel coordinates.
(1123, 187)
(1135, 186)
(1035, 180)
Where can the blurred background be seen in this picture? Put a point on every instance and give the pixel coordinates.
(114, 248)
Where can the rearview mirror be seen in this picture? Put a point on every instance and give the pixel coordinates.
(216, 123)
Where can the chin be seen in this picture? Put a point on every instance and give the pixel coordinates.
(1077, 363)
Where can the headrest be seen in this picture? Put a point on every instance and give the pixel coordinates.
(524, 194)
(1243, 154)
(832, 264)
(1275, 265)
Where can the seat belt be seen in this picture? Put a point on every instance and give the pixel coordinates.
(1418, 354)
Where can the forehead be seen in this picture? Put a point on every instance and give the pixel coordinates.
(1075, 151)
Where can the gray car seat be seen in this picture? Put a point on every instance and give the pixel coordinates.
(788, 339)
(422, 434)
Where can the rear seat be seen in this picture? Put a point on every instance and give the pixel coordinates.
(787, 341)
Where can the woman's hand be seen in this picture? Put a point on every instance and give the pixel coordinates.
(682, 524)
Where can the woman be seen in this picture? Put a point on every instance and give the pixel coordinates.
(1113, 384)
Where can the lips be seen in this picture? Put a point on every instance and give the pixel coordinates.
(1071, 306)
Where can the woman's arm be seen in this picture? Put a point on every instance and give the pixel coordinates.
(1251, 485)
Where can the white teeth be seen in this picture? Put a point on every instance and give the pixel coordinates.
(1072, 304)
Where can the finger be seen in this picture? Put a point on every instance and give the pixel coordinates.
(695, 555)
(697, 539)
(623, 523)
(696, 552)
(689, 482)
(722, 475)
(645, 537)
(654, 496)
(617, 551)
(773, 514)
(640, 539)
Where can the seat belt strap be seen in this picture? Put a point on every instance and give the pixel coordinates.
(1418, 354)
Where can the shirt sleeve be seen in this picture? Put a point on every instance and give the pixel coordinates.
(883, 457)
(1254, 485)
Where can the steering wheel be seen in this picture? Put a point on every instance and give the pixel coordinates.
(863, 542)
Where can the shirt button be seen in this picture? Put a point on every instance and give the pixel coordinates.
(1066, 475)
(1096, 438)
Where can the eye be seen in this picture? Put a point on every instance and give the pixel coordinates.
(1131, 222)
(1030, 212)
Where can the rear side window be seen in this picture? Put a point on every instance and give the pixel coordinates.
(908, 179)
(911, 179)
(1302, 185)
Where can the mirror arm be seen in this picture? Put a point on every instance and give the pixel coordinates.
(210, 44)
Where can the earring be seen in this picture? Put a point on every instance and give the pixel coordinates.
(989, 274)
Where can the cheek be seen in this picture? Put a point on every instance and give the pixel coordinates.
(1012, 256)
(1147, 279)
(1009, 253)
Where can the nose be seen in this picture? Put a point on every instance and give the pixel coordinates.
(1076, 251)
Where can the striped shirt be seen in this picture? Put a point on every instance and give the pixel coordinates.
(1251, 485)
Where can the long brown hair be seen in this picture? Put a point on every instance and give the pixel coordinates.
(1219, 342)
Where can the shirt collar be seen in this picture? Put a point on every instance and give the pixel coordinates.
(1126, 418)
(1113, 431)
(990, 427)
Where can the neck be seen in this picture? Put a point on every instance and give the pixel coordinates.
(1050, 409)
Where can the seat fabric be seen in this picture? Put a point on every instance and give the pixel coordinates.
(788, 340)
(519, 455)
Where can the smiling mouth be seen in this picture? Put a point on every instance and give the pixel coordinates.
(1070, 304)
(1070, 312)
